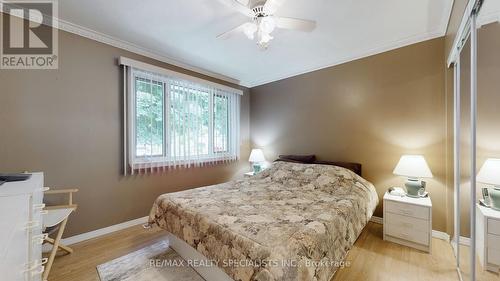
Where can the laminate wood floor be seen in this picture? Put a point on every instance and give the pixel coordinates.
(370, 259)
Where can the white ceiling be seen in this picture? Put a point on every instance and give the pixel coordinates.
(185, 31)
(490, 12)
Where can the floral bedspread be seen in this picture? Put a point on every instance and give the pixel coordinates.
(290, 222)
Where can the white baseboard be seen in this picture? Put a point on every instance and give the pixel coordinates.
(464, 241)
(103, 231)
(441, 235)
(435, 233)
(378, 220)
(98, 232)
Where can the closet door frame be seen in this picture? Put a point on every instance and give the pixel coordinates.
(473, 137)
(468, 27)
(456, 157)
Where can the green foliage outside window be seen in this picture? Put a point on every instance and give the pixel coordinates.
(189, 121)
(149, 117)
(188, 117)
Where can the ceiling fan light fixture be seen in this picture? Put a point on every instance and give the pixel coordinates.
(267, 24)
(264, 39)
(262, 20)
(250, 30)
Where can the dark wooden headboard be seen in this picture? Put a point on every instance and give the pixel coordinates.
(311, 159)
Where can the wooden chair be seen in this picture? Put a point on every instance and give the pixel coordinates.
(54, 220)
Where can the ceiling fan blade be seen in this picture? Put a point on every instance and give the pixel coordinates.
(272, 6)
(238, 7)
(234, 31)
(296, 24)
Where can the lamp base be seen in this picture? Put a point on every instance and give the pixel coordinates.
(415, 188)
(257, 168)
(495, 198)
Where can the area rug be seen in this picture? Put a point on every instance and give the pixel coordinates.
(156, 262)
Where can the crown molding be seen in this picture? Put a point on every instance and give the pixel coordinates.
(131, 47)
(134, 48)
(128, 46)
(363, 54)
(439, 32)
(125, 45)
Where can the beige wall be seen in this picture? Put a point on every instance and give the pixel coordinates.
(371, 111)
(67, 123)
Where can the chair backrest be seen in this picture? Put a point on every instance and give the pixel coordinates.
(55, 214)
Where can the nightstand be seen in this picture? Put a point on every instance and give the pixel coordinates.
(408, 221)
(488, 237)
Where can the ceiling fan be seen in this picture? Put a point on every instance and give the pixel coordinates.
(263, 21)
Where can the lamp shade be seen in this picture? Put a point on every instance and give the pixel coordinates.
(490, 172)
(256, 156)
(413, 166)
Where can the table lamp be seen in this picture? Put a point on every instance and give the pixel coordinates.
(257, 158)
(413, 167)
(490, 174)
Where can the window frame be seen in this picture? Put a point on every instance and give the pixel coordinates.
(166, 158)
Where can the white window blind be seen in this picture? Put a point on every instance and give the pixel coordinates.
(173, 122)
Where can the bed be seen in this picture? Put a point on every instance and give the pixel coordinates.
(293, 221)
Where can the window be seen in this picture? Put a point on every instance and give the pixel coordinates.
(173, 121)
(149, 117)
(220, 121)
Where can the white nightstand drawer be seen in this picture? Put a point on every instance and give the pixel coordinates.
(409, 223)
(493, 256)
(407, 210)
(493, 241)
(494, 226)
(405, 233)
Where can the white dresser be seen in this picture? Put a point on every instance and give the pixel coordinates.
(21, 235)
(408, 221)
(488, 238)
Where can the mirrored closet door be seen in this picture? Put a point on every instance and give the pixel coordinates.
(464, 62)
(476, 64)
(488, 142)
